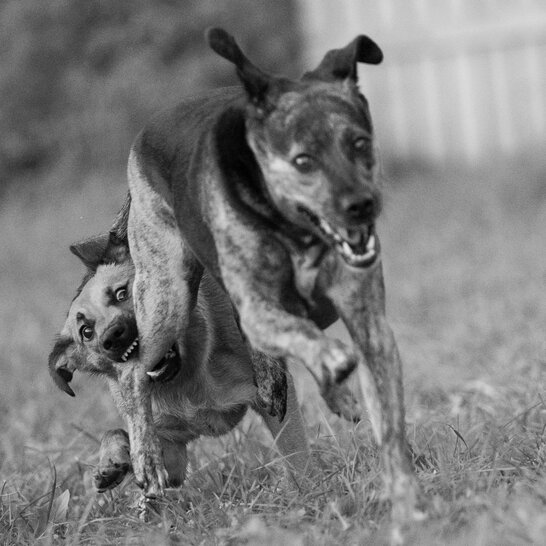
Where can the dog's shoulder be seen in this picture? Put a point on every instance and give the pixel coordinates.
(173, 133)
(178, 144)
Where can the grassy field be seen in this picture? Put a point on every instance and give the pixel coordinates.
(465, 266)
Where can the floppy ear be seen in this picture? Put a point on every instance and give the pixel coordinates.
(62, 363)
(340, 64)
(91, 251)
(256, 82)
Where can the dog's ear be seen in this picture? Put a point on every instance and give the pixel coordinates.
(91, 251)
(340, 64)
(63, 362)
(117, 249)
(256, 83)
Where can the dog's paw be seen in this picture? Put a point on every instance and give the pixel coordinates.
(110, 476)
(342, 402)
(408, 506)
(114, 460)
(337, 361)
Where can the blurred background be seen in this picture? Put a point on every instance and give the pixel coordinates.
(461, 81)
(459, 108)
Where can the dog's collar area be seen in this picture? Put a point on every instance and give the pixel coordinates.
(358, 247)
(167, 368)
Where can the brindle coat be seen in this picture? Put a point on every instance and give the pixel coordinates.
(272, 189)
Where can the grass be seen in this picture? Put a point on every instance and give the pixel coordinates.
(465, 270)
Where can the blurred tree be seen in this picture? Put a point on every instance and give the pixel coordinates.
(78, 78)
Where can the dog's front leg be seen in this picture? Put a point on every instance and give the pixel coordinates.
(359, 296)
(132, 395)
(259, 278)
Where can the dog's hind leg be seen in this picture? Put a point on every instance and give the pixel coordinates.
(176, 461)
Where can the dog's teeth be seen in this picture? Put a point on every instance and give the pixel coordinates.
(347, 248)
(364, 257)
(154, 374)
(370, 245)
(326, 227)
(129, 350)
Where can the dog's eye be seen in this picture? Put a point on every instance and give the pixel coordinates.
(362, 144)
(121, 294)
(86, 332)
(304, 163)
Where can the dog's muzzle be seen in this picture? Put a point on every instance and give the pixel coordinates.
(359, 247)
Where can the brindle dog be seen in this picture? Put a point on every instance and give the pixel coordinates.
(207, 395)
(272, 189)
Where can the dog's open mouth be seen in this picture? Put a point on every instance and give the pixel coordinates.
(358, 247)
(167, 368)
(164, 370)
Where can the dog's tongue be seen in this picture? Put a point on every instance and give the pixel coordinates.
(356, 238)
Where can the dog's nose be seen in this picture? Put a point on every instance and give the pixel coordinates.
(360, 209)
(118, 336)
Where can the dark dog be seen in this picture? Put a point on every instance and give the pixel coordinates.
(272, 190)
(207, 395)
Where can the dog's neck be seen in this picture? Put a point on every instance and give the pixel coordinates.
(246, 181)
